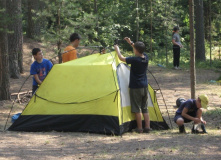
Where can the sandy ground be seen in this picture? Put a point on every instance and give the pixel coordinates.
(156, 145)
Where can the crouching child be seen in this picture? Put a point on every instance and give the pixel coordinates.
(191, 110)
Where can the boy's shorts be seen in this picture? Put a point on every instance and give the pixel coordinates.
(192, 114)
(138, 100)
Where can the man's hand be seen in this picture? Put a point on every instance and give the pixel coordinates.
(116, 47)
(103, 51)
(37, 79)
(204, 122)
(197, 120)
(128, 40)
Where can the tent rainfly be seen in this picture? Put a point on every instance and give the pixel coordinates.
(89, 94)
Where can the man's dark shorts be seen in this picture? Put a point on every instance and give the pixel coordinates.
(192, 114)
(138, 100)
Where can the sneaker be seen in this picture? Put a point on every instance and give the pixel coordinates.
(196, 131)
(137, 130)
(178, 68)
(147, 130)
(182, 129)
(175, 67)
(203, 128)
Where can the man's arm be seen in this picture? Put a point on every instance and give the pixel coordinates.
(37, 79)
(185, 115)
(120, 56)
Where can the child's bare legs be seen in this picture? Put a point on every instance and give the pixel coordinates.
(139, 120)
(147, 120)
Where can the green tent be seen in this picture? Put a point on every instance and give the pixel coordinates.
(89, 94)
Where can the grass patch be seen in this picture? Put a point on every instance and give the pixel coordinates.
(159, 58)
(214, 112)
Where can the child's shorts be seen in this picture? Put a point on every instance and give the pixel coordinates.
(138, 100)
(192, 114)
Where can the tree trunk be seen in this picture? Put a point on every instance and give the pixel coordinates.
(20, 42)
(199, 26)
(59, 33)
(192, 55)
(151, 29)
(137, 19)
(95, 6)
(34, 24)
(4, 65)
(206, 19)
(15, 39)
(166, 35)
(210, 40)
(97, 20)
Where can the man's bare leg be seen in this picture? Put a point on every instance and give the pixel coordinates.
(139, 120)
(147, 120)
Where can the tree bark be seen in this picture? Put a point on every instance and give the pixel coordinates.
(199, 26)
(15, 38)
(95, 6)
(137, 19)
(192, 55)
(151, 27)
(4, 65)
(210, 40)
(20, 42)
(34, 25)
(59, 33)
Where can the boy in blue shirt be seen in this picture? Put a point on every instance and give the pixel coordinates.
(191, 110)
(138, 83)
(39, 68)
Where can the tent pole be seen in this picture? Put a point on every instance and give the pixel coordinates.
(162, 97)
(14, 102)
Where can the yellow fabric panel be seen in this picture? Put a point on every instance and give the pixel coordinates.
(94, 59)
(128, 115)
(154, 112)
(66, 84)
(103, 106)
(119, 108)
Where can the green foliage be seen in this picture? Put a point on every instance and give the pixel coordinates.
(214, 112)
(102, 22)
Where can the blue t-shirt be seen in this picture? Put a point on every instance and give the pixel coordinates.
(190, 104)
(138, 75)
(41, 69)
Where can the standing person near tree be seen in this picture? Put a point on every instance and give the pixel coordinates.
(138, 83)
(71, 52)
(176, 47)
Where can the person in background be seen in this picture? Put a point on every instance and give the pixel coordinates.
(191, 110)
(39, 68)
(70, 50)
(138, 83)
(176, 47)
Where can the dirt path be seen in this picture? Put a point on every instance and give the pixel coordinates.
(156, 145)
